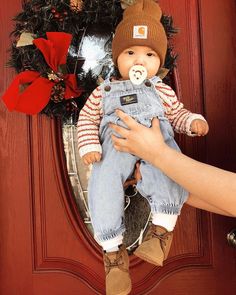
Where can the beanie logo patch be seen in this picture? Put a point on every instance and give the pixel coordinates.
(140, 32)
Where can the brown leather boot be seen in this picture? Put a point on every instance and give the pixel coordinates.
(116, 264)
(156, 245)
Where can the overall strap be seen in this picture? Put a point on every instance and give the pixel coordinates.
(155, 80)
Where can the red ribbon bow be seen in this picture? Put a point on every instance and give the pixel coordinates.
(37, 95)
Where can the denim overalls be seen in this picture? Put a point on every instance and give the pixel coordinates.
(105, 190)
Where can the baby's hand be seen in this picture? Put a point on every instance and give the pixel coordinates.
(199, 127)
(91, 158)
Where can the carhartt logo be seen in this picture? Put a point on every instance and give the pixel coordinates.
(140, 32)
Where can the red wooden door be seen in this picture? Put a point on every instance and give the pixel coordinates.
(45, 247)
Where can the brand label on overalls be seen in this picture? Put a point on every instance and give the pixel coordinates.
(128, 99)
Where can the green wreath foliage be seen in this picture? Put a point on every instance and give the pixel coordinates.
(97, 19)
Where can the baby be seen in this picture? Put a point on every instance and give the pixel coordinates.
(139, 48)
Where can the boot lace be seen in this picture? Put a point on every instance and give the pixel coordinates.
(113, 263)
(162, 237)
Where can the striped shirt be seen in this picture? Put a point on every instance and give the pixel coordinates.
(91, 114)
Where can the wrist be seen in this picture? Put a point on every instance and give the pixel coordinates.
(162, 157)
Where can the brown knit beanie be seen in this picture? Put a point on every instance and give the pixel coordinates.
(141, 26)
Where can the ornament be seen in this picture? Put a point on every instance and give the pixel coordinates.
(54, 77)
(76, 4)
(26, 38)
(58, 92)
(163, 72)
(126, 3)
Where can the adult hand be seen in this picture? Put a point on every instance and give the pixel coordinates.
(207, 185)
(146, 143)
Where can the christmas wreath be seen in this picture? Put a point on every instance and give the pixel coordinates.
(60, 49)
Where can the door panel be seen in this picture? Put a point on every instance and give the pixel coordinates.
(45, 246)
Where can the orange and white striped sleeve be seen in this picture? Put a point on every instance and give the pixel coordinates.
(88, 124)
(179, 117)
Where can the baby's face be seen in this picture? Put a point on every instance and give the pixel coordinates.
(138, 55)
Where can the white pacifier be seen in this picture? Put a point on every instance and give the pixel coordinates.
(137, 74)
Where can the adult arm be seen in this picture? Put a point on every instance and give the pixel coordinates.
(208, 183)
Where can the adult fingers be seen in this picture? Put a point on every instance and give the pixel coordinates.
(129, 121)
(119, 143)
(155, 123)
(123, 132)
